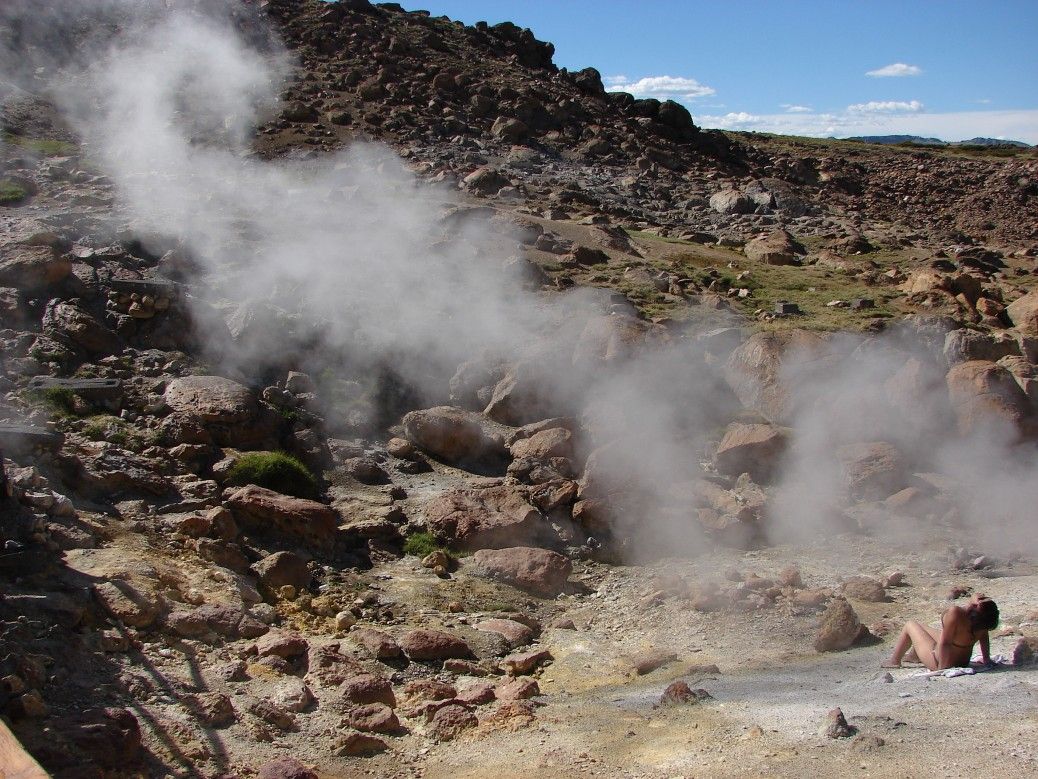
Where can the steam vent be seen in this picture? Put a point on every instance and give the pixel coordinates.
(379, 397)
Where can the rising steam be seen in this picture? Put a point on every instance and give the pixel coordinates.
(165, 96)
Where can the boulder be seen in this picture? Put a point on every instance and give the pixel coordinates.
(379, 645)
(128, 604)
(515, 633)
(485, 181)
(839, 627)
(731, 201)
(362, 689)
(32, 267)
(554, 442)
(374, 718)
(983, 394)
(484, 517)
(866, 589)
(777, 248)
(283, 569)
(433, 645)
(1023, 313)
(265, 510)
(69, 323)
(755, 372)
(285, 768)
(539, 571)
(454, 434)
(509, 129)
(752, 449)
(872, 470)
(963, 345)
(450, 721)
(211, 399)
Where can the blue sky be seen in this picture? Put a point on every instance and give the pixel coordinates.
(950, 69)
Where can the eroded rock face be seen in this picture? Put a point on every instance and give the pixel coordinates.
(32, 267)
(539, 571)
(265, 510)
(72, 324)
(985, 395)
(485, 518)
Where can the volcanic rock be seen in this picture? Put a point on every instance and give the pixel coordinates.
(285, 768)
(433, 645)
(872, 470)
(536, 570)
(839, 627)
(380, 645)
(984, 394)
(283, 569)
(484, 517)
(777, 248)
(450, 721)
(261, 509)
(753, 449)
(1023, 312)
(366, 688)
(453, 434)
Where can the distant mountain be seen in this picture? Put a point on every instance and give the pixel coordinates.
(919, 140)
(892, 139)
(992, 142)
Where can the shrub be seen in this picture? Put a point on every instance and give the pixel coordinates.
(11, 192)
(60, 401)
(276, 471)
(421, 544)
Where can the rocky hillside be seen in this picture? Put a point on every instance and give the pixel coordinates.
(286, 518)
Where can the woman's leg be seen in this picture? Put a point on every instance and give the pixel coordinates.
(912, 656)
(916, 636)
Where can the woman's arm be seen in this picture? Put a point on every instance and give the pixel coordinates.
(985, 647)
(942, 651)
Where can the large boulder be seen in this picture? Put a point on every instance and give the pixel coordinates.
(839, 627)
(872, 470)
(983, 394)
(69, 323)
(211, 399)
(454, 434)
(777, 248)
(265, 510)
(1023, 313)
(755, 370)
(752, 449)
(539, 571)
(433, 645)
(31, 267)
(544, 444)
(731, 201)
(485, 517)
(963, 345)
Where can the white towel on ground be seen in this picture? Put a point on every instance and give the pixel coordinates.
(976, 666)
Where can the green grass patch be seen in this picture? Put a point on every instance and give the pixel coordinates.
(11, 192)
(59, 401)
(421, 544)
(48, 147)
(275, 471)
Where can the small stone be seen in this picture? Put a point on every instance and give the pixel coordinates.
(212, 709)
(285, 768)
(835, 725)
(524, 662)
(680, 693)
(517, 689)
(344, 620)
(356, 744)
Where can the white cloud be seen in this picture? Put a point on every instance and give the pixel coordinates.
(660, 87)
(886, 107)
(792, 108)
(895, 70)
(954, 126)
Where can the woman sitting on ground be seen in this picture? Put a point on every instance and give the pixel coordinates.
(952, 645)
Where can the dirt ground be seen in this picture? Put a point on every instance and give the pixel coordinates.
(773, 691)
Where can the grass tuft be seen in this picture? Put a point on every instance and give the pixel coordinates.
(11, 192)
(421, 544)
(275, 471)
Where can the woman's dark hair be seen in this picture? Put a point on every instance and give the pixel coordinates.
(983, 615)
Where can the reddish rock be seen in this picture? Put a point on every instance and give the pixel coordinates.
(453, 434)
(265, 510)
(839, 627)
(464, 668)
(1023, 312)
(428, 690)
(285, 768)
(553, 494)
(984, 394)
(516, 689)
(679, 693)
(356, 744)
(433, 645)
(477, 694)
(272, 713)
(515, 633)
(110, 737)
(490, 517)
(450, 721)
(539, 571)
(213, 709)
(777, 248)
(752, 449)
(554, 442)
(380, 645)
(282, 644)
(283, 569)
(126, 603)
(790, 577)
(374, 718)
(524, 662)
(865, 589)
(872, 470)
(367, 688)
